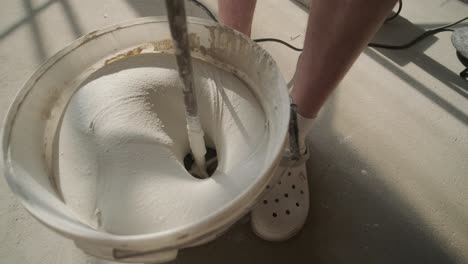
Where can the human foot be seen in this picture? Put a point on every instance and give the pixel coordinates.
(283, 210)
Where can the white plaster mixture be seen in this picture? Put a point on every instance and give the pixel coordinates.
(123, 138)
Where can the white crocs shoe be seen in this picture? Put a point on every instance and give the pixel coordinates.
(283, 210)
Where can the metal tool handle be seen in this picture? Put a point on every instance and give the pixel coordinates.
(293, 130)
(178, 26)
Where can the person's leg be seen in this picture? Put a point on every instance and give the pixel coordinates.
(337, 32)
(237, 14)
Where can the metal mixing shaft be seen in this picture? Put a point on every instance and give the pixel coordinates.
(178, 26)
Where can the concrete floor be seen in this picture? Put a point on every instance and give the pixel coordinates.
(388, 168)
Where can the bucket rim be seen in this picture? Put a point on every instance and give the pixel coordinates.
(173, 238)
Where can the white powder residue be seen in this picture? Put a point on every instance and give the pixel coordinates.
(123, 139)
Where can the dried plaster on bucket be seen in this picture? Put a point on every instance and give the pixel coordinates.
(122, 141)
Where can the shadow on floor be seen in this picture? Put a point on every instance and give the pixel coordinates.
(397, 33)
(31, 20)
(39, 44)
(354, 218)
(400, 30)
(304, 7)
(420, 87)
(32, 12)
(300, 5)
(158, 8)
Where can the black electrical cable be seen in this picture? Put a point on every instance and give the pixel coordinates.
(418, 38)
(411, 43)
(373, 45)
(400, 6)
(454, 23)
(279, 41)
(202, 6)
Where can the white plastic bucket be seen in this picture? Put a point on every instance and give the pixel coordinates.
(33, 121)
